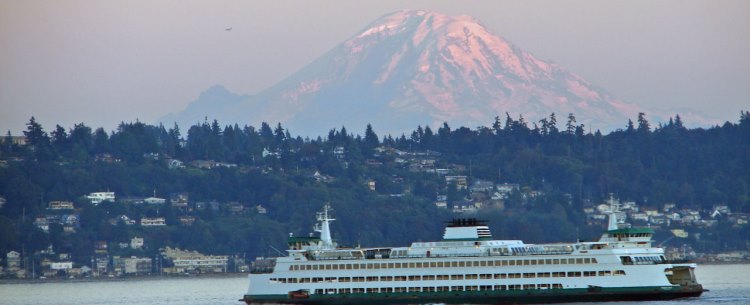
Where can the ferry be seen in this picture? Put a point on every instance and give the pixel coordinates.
(469, 267)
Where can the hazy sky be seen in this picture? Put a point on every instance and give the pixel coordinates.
(102, 62)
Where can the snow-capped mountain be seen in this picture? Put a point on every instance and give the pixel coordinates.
(414, 68)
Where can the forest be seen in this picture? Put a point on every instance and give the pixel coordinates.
(573, 167)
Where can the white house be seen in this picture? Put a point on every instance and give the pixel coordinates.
(153, 221)
(99, 197)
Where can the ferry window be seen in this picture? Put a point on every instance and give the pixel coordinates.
(587, 260)
(500, 276)
(457, 288)
(386, 289)
(529, 286)
(442, 277)
(330, 279)
(619, 272)
(574, 274)
(329, 267)
(443, 288)
(315, 267)
(462, 264)
(589, 273)
(292, 280)
(386, 278)
(514, 275)
(471, 277)
(400, 278)
(304, 280)
(472, 288)
(543, 286)
(412, 265)
(399, 289)
(485, 276)
(372, 290)
(501, 287)
(542, 274)
(557, 286)
(593, 260)
(529, 275)
(428, 277)
(358, 279)
(345, 290)
(433, 264)
(390, 265)
(475, 263)
(317, 279)
(415, 278)
(514, 287)
(440, 264)
(556, 261)
(372, 278)
(605, 273)
(579, 261)
(548, 261)
(558, 274)
(512, 262)
(344, 279)
(505, 263)
(485, 287)
(369, 266)
(358, 290)
(413, 289)
(318, 291)
(428, 289)
(422, 265)
(533, 262)
(348, 266)
(457, 277)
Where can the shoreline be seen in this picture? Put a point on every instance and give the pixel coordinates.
(120, 278)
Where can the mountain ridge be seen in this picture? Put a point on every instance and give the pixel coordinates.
(416, 67)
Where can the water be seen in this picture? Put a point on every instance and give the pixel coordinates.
(729, 285)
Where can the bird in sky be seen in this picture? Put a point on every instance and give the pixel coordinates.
(228, 29)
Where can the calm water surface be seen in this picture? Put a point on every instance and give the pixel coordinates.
(729, 285)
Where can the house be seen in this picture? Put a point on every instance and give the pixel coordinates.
(2, 202)
(371, 185)
(132, 265)
(321, 178)
(61, 205)
(179, 200)
(482, 186)
(175, 164)
(131, 200)
(339, 152)
(235, 207)
(459, 181)
(42, 223)
(193, 261)
(99, 197)
(507, 188)
(261, 209)
(13, 260)
(106, 158)
(204, 164)
(153, 222)
(186, 220)
(155, 200)
(136, 243)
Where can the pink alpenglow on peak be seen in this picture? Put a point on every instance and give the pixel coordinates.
(416, 67)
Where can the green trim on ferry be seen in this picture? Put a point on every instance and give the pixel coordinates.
(632, 230)
(471, 294)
